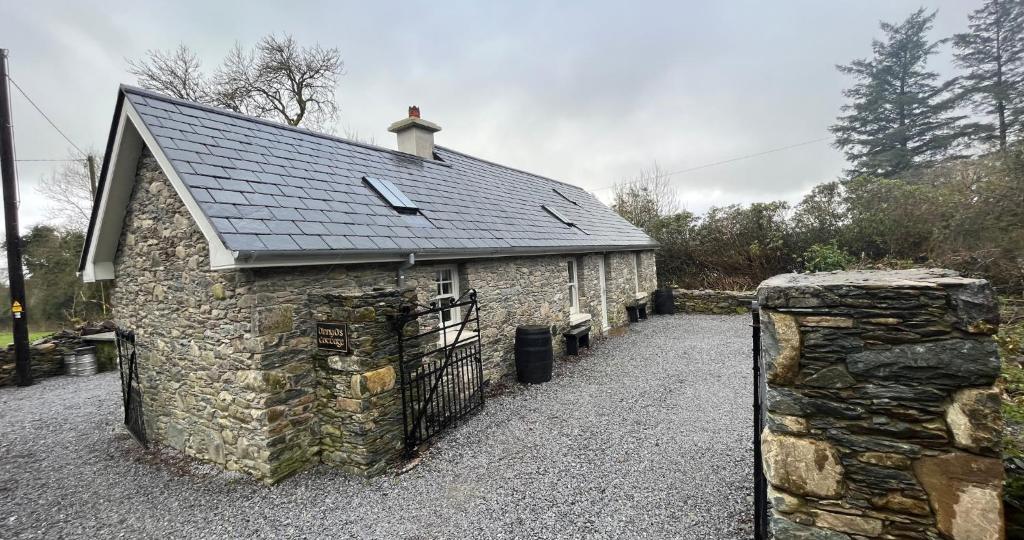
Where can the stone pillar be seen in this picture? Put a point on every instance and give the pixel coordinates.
(882, 419)
(359, 402)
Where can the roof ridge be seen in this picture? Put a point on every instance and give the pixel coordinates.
(219, 110)
(496, 164)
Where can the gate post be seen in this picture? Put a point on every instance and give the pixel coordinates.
(358, 401)
(881, 416)
(760, 483)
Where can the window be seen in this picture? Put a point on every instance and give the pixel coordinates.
(636, 270)
(390, 193)
(564, 196)
(574, 289)
(558, 215)
(446, 285)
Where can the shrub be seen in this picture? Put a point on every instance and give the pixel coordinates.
(826, 258)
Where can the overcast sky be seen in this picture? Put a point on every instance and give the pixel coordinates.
(584, 93)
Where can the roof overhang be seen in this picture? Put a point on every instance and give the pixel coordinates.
(265, 259)
(128, 136)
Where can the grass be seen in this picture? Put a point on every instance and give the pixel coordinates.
(7, 338)
(1011, 350)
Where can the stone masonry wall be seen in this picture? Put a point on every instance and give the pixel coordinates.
(714, 302)
(227, 360)
(882, 419)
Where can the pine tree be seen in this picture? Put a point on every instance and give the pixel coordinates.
(992, 53)
(899, 116)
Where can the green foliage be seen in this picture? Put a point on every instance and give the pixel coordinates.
(967, 215)
(898, 116)
(733, 247)
(992, 54)
(55, 293)
(826, 258)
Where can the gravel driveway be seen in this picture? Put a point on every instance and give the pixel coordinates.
(646, 436)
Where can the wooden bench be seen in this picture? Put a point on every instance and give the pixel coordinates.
(576, 337)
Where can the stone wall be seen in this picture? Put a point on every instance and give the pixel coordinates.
(47, 357)
(358, 401)
(227, 361)
(882, 419)
(713, 302)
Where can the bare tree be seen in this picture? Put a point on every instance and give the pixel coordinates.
(68, 190)
(277, 80)
(645, 197)
(176, 73)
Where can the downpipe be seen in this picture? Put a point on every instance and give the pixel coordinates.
(400, 276)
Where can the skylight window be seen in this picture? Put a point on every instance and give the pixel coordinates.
(564, 196)
(390, 193)
(558, 215)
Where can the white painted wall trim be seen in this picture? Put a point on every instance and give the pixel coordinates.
(220, 256)
(117, 188)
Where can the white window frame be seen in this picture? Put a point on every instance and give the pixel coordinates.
(574, 286)
(636, 270)
(455, 313)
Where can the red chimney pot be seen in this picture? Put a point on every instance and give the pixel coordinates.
(414, 112)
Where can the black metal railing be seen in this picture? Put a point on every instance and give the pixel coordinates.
(760, 482)
(131, 389)
(441, 371)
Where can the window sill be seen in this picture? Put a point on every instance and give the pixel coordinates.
(578, 318)
(448, 337)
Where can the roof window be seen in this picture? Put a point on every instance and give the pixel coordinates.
(392, 195)
(558, 215)
(564, 196)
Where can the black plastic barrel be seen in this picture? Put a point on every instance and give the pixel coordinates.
(664, 302)
(534, 355)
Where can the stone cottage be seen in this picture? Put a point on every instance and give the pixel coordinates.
(227, 238)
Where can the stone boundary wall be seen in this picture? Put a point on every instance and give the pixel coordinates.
(882, 420)
(48, 355)
(712, 301)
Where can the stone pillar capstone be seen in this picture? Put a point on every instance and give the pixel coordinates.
(881, 416)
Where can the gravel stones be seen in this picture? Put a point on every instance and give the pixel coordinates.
(648, 435)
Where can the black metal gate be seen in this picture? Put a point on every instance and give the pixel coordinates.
(760, 482)
(131, 390)
(441, 370)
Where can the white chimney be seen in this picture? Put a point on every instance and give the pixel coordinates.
(415, 135)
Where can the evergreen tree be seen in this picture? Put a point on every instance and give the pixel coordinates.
(992, 53)
(899, 116)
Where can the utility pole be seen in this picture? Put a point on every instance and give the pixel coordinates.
(23, 366)
(90, 160)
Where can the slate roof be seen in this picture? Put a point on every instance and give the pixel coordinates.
(266, 187)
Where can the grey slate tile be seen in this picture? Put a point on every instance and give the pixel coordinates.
(281, 242)
(243, 242)
(283, 227)
(338, 242)
(383, 243)
(232, 197)
(254, 212)
(312, 227)
(243, 170)
(309, 242)
(209, 170)
(219, 161)
(288, 214)
(250, 226)
(361, 242)
(220, 210)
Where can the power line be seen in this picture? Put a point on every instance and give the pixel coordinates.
(40, 111)
(63, 160)
(734, 159)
